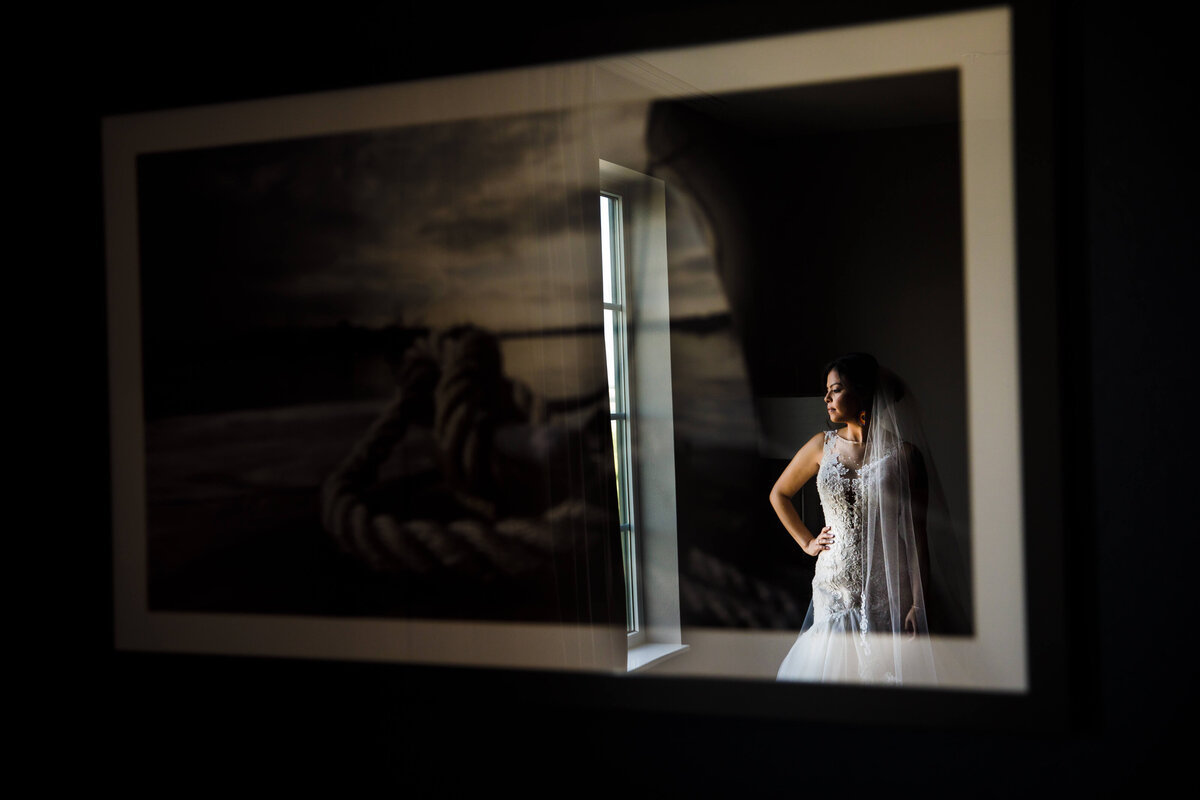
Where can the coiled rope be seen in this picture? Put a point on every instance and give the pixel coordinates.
(451, 384)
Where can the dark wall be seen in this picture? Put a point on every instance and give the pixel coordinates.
(837, 214)
(1125, 240)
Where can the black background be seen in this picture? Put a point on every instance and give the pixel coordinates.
(1124, 238)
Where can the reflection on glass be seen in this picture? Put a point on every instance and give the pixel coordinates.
(610, 345)
(606, 209)
(615, 348)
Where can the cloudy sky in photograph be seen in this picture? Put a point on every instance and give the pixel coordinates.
(473, 221)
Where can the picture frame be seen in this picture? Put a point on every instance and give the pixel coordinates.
(1014, 303)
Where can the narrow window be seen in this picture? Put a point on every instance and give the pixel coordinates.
(637, 338)
(616, 346)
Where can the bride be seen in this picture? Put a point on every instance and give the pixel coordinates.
(869, 618)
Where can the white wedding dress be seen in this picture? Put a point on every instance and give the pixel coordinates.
(849, 638)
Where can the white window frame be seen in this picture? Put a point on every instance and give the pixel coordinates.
(646, 339)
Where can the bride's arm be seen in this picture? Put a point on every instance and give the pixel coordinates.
(799, 471)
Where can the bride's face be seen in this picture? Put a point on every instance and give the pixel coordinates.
(840, 401)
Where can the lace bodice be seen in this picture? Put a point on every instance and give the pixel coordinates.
(841, 481)
(839, 486)
(839, 575)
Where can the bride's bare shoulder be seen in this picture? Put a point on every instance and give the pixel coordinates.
(813, 449)
(805, 464)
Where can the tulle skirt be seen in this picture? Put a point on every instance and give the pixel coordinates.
(832, 650)
(837, 649)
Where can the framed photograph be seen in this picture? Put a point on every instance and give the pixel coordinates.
(498, 370)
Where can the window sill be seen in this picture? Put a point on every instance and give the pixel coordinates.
(645, 656)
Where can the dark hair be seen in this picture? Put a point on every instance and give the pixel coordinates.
(860, 371)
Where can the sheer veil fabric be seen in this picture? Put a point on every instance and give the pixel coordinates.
(895, 573)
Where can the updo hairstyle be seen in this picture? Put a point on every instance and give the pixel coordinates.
(859, 371)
